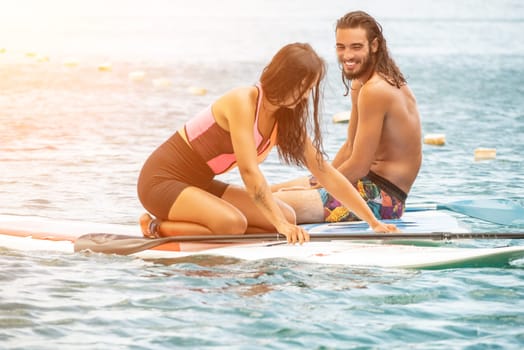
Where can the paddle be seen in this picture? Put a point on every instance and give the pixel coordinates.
(499, 211)
(125, 245)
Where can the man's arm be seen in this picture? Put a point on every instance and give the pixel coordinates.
(345, 150)
(371, 105)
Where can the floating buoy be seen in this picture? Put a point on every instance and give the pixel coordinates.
(197, 91)
(485, 153)
(162, 83)
(42, 58)
(136, 76)
(31, 54)
(2, 50)
(104, 67)
(435, 139)
(70, 62)
(341, 117)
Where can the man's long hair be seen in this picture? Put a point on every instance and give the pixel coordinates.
(293, 69)
(384, 64)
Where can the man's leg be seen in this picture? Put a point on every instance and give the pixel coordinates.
(301, 183)
(307, 204)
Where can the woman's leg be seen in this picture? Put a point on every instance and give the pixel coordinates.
(197, 212)
(256, 221)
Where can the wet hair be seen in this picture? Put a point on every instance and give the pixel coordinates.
(384, 64)
(292, 70)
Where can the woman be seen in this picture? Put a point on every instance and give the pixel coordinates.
(177, 182)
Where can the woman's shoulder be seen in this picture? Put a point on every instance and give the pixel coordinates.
(238, 99)
(241, 93)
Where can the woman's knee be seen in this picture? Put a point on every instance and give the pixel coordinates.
(229, 223)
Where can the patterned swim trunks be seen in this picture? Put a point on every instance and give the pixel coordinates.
(385, 200)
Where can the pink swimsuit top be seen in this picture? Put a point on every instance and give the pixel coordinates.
(214, 144)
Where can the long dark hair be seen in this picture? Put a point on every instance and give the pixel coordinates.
(293, 69)
(384, 64)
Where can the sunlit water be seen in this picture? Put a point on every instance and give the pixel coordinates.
(73, 140)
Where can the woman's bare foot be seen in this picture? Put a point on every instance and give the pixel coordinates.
(145, 222)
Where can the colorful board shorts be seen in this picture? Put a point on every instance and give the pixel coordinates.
(385, 200)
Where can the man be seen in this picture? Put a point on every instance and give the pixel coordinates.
(383, 151)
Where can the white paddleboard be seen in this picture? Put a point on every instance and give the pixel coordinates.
(32, 233)
(363, 254)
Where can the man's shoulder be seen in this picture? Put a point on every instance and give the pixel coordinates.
(380, 81)
(378, 88)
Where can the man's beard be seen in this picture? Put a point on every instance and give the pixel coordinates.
(367, 63)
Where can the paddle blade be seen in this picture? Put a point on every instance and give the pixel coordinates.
(115, 244)
(499, 211)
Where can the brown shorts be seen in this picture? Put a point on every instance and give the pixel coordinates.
(170, 169)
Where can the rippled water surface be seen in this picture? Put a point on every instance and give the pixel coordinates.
(73, 139)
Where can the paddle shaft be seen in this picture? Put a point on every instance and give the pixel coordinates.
(437, 236)
(323, 237)
(422, 207)
(125, 245)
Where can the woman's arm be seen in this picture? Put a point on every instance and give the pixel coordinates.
(238, 110)
(338, 185)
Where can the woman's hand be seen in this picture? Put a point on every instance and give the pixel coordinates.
(381, 227)
(294, 233)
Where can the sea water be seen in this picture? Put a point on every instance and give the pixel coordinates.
(77, 125)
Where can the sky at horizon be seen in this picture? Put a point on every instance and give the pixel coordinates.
(165, 28)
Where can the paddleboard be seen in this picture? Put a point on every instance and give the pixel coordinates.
(342, 117)
(41, 234)
(367, 255)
